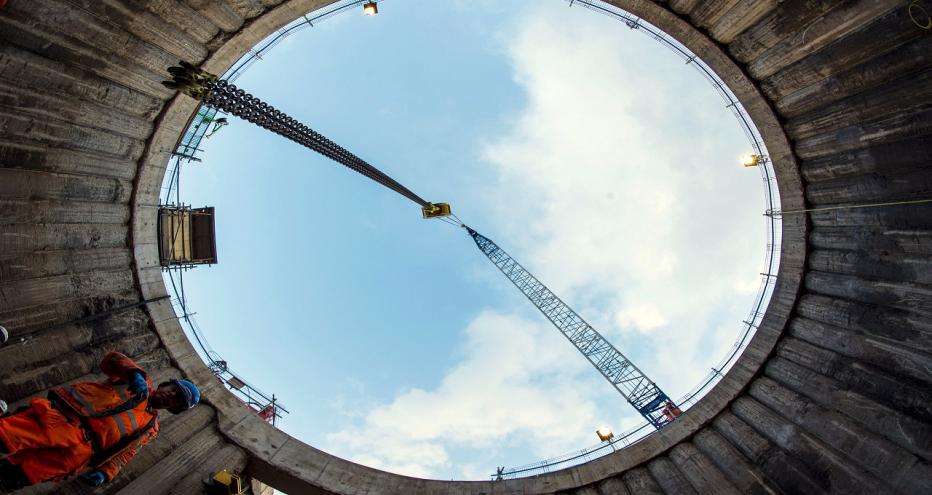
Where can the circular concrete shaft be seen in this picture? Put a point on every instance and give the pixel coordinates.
(833, 395)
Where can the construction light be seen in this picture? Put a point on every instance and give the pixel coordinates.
(605, 434)
(370, 8)
(751, 160)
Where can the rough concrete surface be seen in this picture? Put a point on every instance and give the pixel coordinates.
(832, 396)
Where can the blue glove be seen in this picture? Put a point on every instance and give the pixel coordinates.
(95, 479)
(138, 386)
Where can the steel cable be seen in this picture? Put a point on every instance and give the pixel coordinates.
(226, 97)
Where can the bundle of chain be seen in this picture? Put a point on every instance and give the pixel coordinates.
(227, 98)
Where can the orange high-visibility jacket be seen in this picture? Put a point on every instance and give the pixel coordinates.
(120, 424)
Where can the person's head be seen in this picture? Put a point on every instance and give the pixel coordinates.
(176, 395)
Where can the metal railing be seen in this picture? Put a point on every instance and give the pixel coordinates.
(190, 145)
(261, 403)
(203, 123)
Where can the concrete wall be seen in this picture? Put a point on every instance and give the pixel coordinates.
(832, 396)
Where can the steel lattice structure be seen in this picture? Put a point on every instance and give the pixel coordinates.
(639, 390)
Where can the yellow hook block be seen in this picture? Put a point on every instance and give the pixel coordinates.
(435, 210)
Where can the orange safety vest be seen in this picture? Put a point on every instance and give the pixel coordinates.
(119, 423)
(670, 411)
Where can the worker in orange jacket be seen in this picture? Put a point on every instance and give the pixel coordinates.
(88, 426)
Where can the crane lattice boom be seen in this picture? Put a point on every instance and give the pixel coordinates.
(636, 388)
(639, 390)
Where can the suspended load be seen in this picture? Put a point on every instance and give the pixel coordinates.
(434, 210)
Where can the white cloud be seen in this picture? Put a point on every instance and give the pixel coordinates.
(642, 316)
(619, 188)
(518, 378)
(619, 185)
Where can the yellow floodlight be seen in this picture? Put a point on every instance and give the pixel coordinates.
(751, 160)
(605, 434)
(370, 8)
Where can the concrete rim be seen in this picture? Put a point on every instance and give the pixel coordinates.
(285, 456)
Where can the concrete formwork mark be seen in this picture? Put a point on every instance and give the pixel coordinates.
(853, 345)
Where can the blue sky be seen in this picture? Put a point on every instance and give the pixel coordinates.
(588, 151)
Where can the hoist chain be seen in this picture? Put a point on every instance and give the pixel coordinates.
(226, 97)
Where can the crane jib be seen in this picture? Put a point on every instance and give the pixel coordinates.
(639, 390)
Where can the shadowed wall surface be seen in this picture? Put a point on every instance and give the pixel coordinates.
(833, 394)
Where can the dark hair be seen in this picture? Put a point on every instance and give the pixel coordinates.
(183, 407)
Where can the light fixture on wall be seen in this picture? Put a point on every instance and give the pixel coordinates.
(370, 8)
(605, 434)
